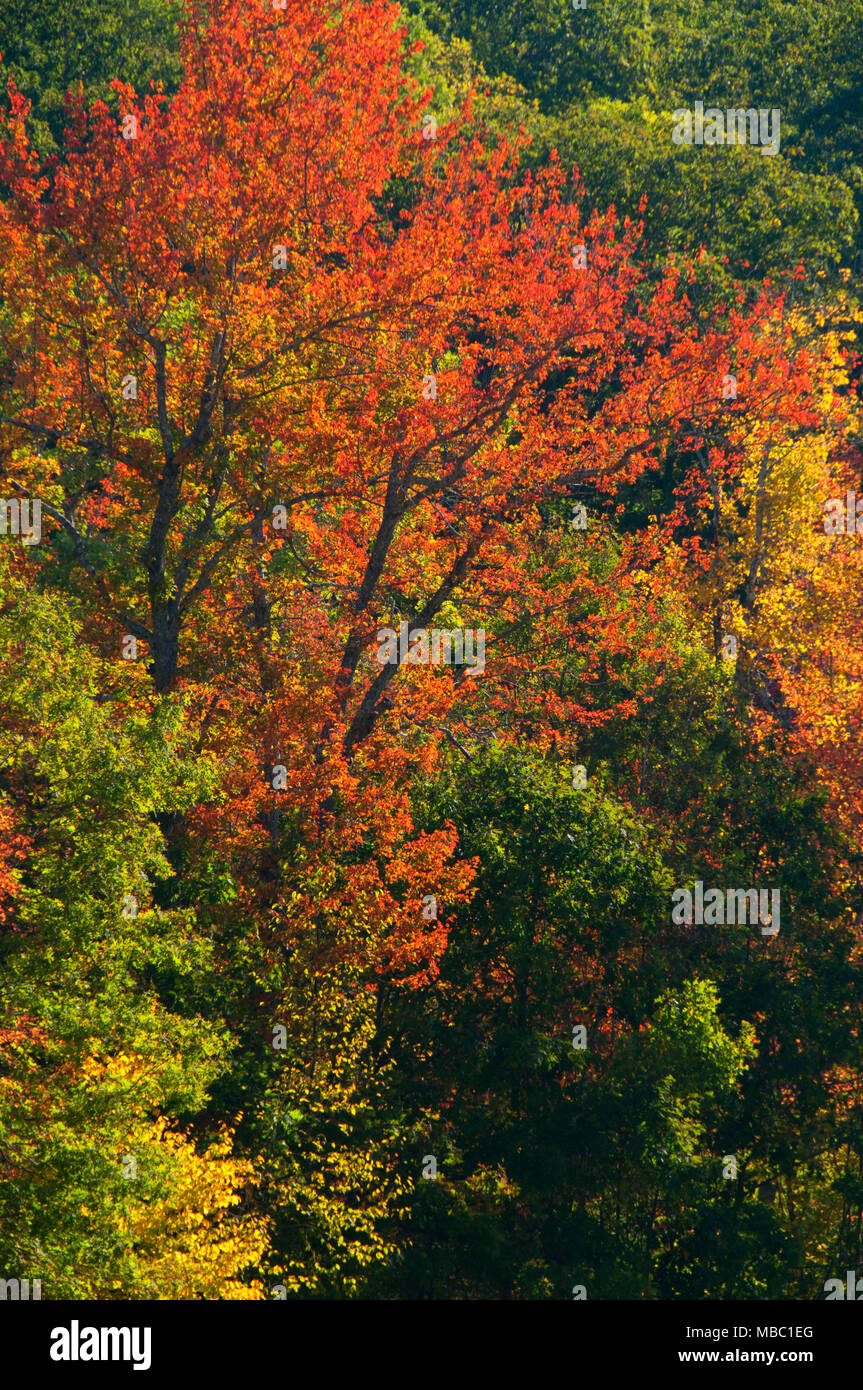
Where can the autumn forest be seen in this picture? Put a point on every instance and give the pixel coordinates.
(431, 649)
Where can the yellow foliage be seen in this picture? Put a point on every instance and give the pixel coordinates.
(191, 1244)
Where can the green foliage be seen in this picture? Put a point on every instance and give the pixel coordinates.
(604, 1166)
(91, 1051)
(50, 48)
(608, 78)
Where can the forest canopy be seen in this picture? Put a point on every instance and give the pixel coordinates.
(432, 672)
